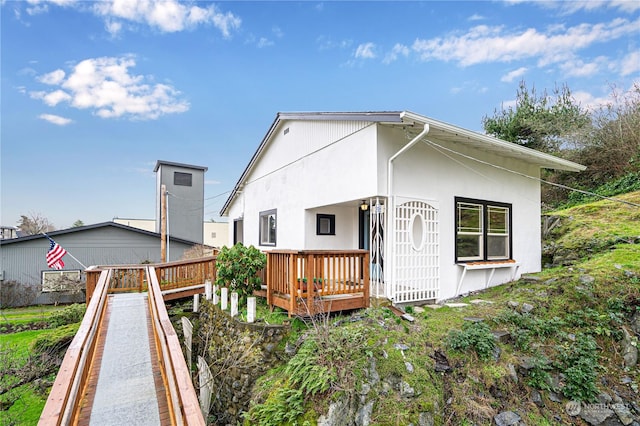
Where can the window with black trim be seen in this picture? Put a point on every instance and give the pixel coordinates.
(268, 227)
(483, 230)
(325, 224)
(182, 179)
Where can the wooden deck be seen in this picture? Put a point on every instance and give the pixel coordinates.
(316, 281)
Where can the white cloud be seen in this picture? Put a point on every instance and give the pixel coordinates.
(630, 64)
(52, 98)
(569, 7)
(326, 43)
(55, 119)
(588, 101)
(365, 51)
(164, 15)
(106, 86)
(512, 75)
(264, 42)
(212, 182)
(475, 17)
(277, 31)
(579, 68)
(483, 44)
(52, 78)
(398, 50)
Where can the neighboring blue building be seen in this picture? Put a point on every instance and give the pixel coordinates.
(24, 274)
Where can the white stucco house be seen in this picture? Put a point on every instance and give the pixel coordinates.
(442, 210)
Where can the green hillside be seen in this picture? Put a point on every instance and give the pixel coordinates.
(554, 348)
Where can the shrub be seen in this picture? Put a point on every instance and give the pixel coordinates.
(579, 363)
(69, 315)
(474, 335)
(56, 341)
(283, 406)
(238, 267)
(538, 375)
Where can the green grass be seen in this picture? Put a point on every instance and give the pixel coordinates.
(23, 405)
(26, 410)
(21, 341)
(28, 315)
(601, 220)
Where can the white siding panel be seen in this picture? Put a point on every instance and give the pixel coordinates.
(315, 164)
(427, 173)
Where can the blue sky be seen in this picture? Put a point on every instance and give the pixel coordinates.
(94, 93)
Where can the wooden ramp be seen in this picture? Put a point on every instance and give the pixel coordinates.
(125, 385)
(125, 365)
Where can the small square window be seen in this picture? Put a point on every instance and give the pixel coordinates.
(325, 224)
(268, 227)
(182, 179)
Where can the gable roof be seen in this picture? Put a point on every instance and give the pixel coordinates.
(438, 129)
(53, 234)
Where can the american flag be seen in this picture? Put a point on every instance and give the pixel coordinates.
(54, 255)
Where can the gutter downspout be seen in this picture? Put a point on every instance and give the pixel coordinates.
(391, 207)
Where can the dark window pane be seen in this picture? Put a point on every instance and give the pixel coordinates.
(498, 247)
(182, 179)
(469, 218)
(468, 246)
(498, 222)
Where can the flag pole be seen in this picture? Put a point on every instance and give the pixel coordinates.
(72, 256)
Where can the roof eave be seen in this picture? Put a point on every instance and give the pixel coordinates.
(544, 160)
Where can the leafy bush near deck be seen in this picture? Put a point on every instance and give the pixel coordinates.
(237, 269)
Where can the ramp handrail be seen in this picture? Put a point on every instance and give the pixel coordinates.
(183, 403)
(60, 408)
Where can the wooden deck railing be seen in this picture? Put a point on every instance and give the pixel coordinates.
(184, 273)
(60, 408)
(316, 273)
(183, 402)
(171, 276)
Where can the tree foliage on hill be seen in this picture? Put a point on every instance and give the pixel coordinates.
(540, 122)
(606, 139)
(34, 223)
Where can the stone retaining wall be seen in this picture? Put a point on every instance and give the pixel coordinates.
(238, 353)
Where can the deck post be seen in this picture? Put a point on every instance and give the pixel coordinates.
(310, 264)
(367, 283)
(224, 293)
(251, 309)
(270, 283)
(234, 304)
(207, 289)
(292, 275)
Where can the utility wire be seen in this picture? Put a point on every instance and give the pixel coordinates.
(437, 146)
